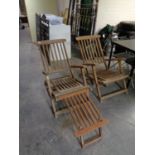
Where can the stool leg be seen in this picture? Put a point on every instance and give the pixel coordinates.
(100, 131)
(82, 141)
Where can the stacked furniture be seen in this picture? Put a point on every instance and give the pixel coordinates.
(51, 27)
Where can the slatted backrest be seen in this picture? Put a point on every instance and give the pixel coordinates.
(54, 55)
(91, 49)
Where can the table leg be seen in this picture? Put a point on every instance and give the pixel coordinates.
(110, 55)
(131, 74)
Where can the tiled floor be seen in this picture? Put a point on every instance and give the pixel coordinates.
(42, 134)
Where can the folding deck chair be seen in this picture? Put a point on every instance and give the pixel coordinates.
(59, 78)
(86, 117)
(93, 56)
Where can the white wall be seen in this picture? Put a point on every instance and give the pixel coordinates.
(38, 6)
(61, 5)
(113, 11)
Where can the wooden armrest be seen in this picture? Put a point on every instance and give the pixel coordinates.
(89, 64)
(82, 68)
(77, 66)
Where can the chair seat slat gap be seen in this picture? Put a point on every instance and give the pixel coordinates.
(86, 111)
(76, 121)
(87, 100)
(78, 115)
(84, 122)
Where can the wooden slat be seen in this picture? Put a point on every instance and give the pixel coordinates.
(88, 111)
(114, 93)
(114, 79)
(65, 83)
(97, 50)
(86, 50)
(92, 109)
(101, 50)
(81, 49)
(83, 109)
(87, 37)
(89, 46)
(75, 92)
(96, 125)
(76, 121)
(95, 108)
(45, 42)
(78, 113)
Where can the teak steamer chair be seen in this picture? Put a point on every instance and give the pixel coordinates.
(92, 56)
(70, 91)
(55, 61)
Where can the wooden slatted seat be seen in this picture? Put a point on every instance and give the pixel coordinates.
(107, 77)
(64, 85)
(92, 56)
(85, 115)
(55, 61)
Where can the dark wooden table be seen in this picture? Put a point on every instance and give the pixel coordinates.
(128, 45)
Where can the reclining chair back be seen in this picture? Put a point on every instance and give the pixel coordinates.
(91, 50)
(54, 56)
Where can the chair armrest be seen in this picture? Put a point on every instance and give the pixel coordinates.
(77, 66)
(119, 60)
(89, 64)
(82, 68)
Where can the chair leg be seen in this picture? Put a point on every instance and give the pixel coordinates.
(100, 131)
(54, 108)
(82, 141)
(96, 83)
(125, 86)
(98, 90)
(91, 140)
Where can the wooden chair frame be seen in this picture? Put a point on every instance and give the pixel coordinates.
(93, 55)
(55, 60)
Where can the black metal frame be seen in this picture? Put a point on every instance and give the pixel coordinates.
(42, 27)
(76, 15)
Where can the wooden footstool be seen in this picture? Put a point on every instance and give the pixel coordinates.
(86, 117)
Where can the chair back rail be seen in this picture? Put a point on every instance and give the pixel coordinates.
(91, 49)
(54, 56)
